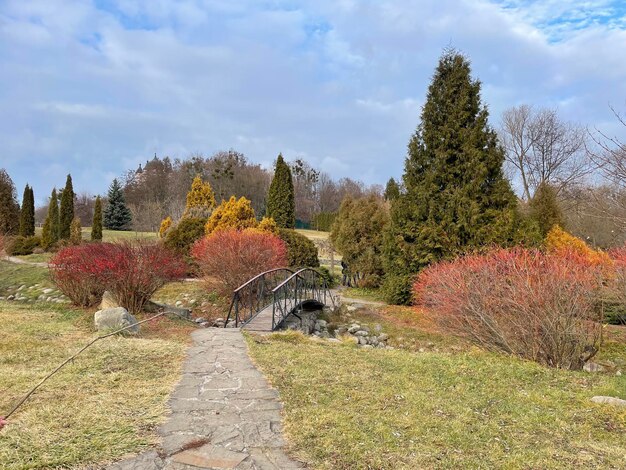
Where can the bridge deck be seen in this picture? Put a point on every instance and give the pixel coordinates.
(263, 320)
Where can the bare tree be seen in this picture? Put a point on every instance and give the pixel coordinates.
(544, 149)
(610, 155)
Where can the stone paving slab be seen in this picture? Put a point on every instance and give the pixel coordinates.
(223, 415)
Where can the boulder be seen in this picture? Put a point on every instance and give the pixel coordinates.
(115, 318)
(593, 367)
(108, 301)
(609, 401)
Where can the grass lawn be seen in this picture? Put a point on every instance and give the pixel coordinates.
(102, 406)
(113, 235)
(450, 406)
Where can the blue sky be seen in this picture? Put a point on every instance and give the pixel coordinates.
(96, 87)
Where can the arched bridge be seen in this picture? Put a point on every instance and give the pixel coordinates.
(266, 300)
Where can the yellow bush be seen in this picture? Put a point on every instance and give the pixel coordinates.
(166, 224)
(268, 224)
(232, 214)
(558, 240)
(200, 199)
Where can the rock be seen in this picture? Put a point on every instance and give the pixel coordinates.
(192, 301)
(351, 308)
(23, 286)
(178, 303)
(333, 340)
(200, 320)
(618, 373)
(609, 401)
(367, 346)
(108, 301)
(342, 330)
(321, 324)
(114, 319)
(205, 324)
(49, 291)
(2, 298)
(378, 328)
(11, 297)
(383, 337)
(373, 340)
(41, 297)
(362, 340)
(593, 367)
(361, 333)
(354, 328)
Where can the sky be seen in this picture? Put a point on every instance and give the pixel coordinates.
(94, 88)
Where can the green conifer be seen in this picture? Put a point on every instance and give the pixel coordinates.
(455, 196)
(117, 215)
(544, 209)
(281, 205)
(392, 190)
(66, 211)
(27, 214)
(96, 225)
(9, 207)
(50, 233)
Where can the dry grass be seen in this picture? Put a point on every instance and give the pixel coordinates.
(451, 406)
(102, 406)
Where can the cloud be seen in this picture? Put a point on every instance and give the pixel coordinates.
(96, 87)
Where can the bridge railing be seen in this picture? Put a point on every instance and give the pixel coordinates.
(304, 285)
(256, 294)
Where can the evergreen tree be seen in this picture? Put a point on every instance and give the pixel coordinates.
(116, 215)
(96, 225)
(281, 203)
(27, 215)
(9, 207)
(544, 208)
(392, 190)
(200, 199)
(455, 196)
(66, 211)
(50, 233)
(76, 232)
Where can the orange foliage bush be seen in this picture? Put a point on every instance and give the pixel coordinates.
(540, 306)
(559, 241)
(235, 256)
(232, 214)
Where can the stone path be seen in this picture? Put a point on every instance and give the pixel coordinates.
(224, 414)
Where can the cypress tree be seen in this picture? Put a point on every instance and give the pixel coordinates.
(9, 207)
(96, 225)
(66, 211)
(392, 190)
(117, 215)
(455, 196)
(200, 199)
(544, 209)
(27, 214)
(50, 233)
(281, 203)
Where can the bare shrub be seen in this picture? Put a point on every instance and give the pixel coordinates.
(523, 302)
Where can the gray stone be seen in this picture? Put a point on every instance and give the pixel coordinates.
(47, 291)
(200, 320)
(383, 337)
(593, 367)
(11, 297)
(362, 340)
(361, 333)
(354, 328)
(609, 401)
(114, 319)
(351, 308)
(367, 346)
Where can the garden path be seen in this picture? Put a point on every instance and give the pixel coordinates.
(224, 414)
(16, 260)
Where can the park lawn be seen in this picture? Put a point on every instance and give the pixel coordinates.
(102, 406)
(450, 406)
(13, 276)
(113, 235)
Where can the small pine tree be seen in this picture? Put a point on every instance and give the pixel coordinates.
(392, 190)
(96, 224)
(281, 205)
(9, 207)
(50, 233)
(200, 199)
(544, 208)
(27, 215)
(66, 211)
(117, 215)
(76, 232)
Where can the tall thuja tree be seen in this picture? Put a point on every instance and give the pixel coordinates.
(200, 199)
(9, 207)
(117, 215)
(50, 232)
(27, 215)
(455, 196)
(544, 209)
(66, 211)
(392, 190)
(96, 225)
(281, 203)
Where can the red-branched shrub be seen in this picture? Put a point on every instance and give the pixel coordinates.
(524, 302)
(132, 272)
(233, 256)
